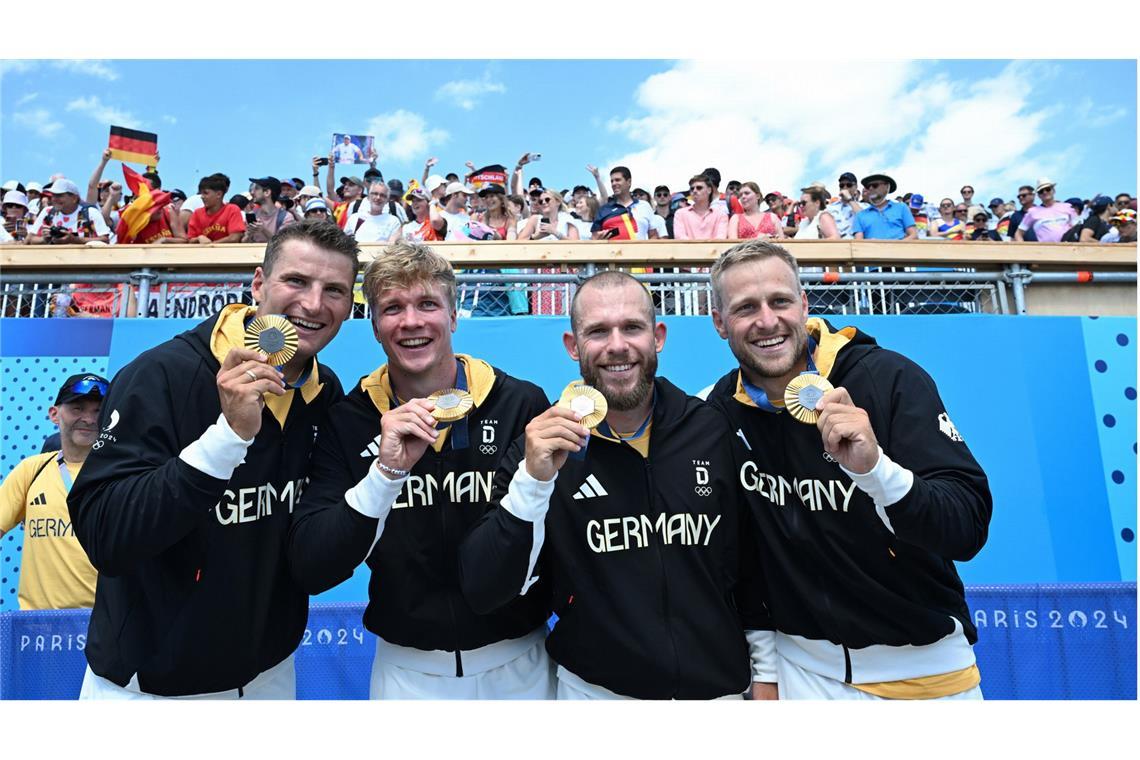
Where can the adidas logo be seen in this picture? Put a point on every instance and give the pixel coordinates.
(40, 501)
(372, 449)
(590, 489)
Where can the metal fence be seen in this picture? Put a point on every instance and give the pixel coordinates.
(502, 292)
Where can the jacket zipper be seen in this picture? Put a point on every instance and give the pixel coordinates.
(664, 584)
(450, 603)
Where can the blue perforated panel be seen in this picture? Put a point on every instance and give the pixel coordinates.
(1110, 349)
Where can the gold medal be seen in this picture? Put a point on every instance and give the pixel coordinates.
(273, 336)
(451, 404)
(802, 394)
(586, 401)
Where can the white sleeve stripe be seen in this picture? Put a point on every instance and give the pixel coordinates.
(374, 496)
(218, 451)
(886, 484)
(529, 499)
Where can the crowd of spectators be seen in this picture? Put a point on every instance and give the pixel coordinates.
(494, 203)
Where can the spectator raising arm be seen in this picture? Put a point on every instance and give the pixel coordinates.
(603, 192)
(427, 169)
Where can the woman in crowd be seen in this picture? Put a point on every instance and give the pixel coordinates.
(550, 220)
(816, 223)
(586, 208)
(753, 223)
(981, 220)
(497, 213)
(947, 225)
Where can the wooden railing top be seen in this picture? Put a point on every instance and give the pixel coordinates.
(632, 253)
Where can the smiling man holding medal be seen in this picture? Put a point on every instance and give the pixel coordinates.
(619, 512)
(399, 475)
(863, 494)
(183, 505)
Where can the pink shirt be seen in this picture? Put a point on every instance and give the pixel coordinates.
(1049, 222)
(690, 224)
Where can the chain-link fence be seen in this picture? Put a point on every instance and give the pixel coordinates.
(506, 292)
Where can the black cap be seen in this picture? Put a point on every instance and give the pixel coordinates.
(371, 172)
(271, 183)
(79, 386)
(849, 177)
(492, 189)
(396, 186)
(177, 194)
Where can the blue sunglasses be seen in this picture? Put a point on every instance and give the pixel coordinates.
(83, 387)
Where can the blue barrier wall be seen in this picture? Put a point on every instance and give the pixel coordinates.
(1075, 641)
(1047, 404)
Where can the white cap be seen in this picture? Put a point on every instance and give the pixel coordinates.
(316, 203)
(311, 190)
(433, 182)
(15, 196)
(35, 187)
(63, 185)
(457, 187)
(10, 185)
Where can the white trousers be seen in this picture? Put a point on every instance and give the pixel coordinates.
(797, 683)
(530, 675)
(279, 682)
(570, 686)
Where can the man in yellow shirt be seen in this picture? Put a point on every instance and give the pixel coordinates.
(55, 572)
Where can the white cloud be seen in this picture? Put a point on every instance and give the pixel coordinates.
(1092, 116)
(402, 135)
(85, 66)
(466, 93)
(931, 133)
(168, 119)
(27, 99)
(16, 66)
(103, 113)
(39, 121)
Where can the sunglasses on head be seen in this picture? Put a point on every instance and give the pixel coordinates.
(83, 387)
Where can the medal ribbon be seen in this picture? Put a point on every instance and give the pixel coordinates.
(64, 473)
(459, 438)
(760, 398)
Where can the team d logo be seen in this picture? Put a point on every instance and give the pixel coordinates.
(701, 471)
(487, 441)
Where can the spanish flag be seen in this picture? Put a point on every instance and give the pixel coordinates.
(145, 208)
(133, 146)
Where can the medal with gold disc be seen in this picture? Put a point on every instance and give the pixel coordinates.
(803, 393)
(274, 336)
(586, 401)
(451, 404)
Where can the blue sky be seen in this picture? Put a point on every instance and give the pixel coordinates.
(933, 125)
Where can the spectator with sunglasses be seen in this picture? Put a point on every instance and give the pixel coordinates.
(947, 225)
(55, 572)
(1051, 220)
(1026, 197)
(846, 206)
(549, 219)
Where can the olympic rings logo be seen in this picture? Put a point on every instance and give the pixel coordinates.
(487, 449)
(703, 490)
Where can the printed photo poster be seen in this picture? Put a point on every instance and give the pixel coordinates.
(352, 149)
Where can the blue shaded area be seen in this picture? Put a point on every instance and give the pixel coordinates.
(1034, 642)
(55, 337)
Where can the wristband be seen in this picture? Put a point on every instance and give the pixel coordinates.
(393, 471)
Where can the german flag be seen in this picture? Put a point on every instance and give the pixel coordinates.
(145, 209)
(133, 146)
(619, 218)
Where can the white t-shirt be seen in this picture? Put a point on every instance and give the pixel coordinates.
(657, 222)
(563, 225)
(455, 224)
(70, 222)
(583, 229)
(192, 204)
(346, 154)
(369, 228)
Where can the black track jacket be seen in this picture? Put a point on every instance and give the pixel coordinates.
(413, 592)
(194, 593)
(834, 570)
(643, 557)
